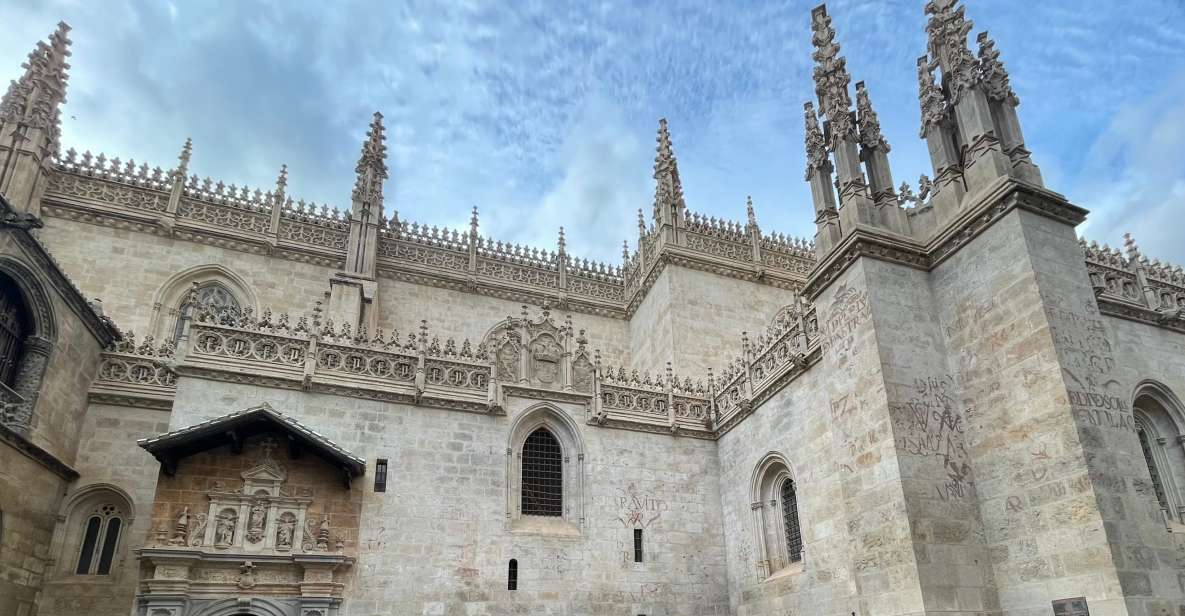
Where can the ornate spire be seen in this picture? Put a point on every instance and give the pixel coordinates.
(831, 77)
(1129, 246)
(372, 165)
(992, 72)
(281, 183)
(930, 98)
(561, 244)
(947, 33)
(641, 223)
(182, 169)
(625, 251)
(867, 122)
(749, 213)
(816, 147)
(473, 223)
(668, 192)
(35, 99)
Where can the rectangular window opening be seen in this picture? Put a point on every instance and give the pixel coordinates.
(512, 575)
(637, 545)
(380, 475)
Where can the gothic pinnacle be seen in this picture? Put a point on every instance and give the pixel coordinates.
(372, 164)
(946, 33)
(668, 191)
(750, 215)
(35, 98)
(473, 222)
(281, 183)
(561, 244)
(869, 127)
(930, 99)
(816, 146)
(183, 159)
(993, 73)
(831, 76)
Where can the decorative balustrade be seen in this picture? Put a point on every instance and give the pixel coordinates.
(1129, 285)
(101, 181)
(136, 374)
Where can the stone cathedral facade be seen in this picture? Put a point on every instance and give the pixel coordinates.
(225, 401)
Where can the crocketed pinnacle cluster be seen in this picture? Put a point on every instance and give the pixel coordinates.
(668, 191)
(372, 165)
(831, 76)
(35, 99)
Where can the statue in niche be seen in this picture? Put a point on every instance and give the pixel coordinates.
(255, 522)
(181, 528)
(545, 356)
(323, 534)
(285, 530)
(508, 361)
(224, 532)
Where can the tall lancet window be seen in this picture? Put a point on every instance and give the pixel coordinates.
(208, 293)
(542, 475)
(1153, 472)
(13, 327)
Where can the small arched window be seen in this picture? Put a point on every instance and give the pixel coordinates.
(777, 528)
(542, 475)
(790, 520)
(210, 293)
(14, 326)
(1159, 422)
(1153, 472)
(101, 533)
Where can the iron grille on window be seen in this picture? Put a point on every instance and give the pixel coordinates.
(12, 318)
(380, 475)
(1152, 472)
(790, 521)
(543, 475)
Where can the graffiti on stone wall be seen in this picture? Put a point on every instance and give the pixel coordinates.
(848, 311)
(636, 509)
(931, 423)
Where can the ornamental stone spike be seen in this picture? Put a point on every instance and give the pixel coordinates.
(818, 175)
(1003, 102)
(874, 152)
(669, 207)
(281, 183)
(32, 104)
(372, 166)
(831, 85)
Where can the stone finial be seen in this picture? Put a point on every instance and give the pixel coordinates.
(933, 104)
(281, 183)
(816, 146)
(183, 158)
(625, 251)
(668, 192)
(561, 244)
(831, 77)
(750, 214)
(35, 99)
(992, 72)
(1130, 247)
(947, 31)
(869, 127)
(473, 222)
(372, 164)
(641, 223)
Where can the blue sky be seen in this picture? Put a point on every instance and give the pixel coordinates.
(543, 114)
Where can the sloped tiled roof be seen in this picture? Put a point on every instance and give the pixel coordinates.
(172, 446)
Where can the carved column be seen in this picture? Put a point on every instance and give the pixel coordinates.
(30, 375)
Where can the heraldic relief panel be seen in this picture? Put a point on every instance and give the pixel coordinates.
(538, 353)
(267, 541)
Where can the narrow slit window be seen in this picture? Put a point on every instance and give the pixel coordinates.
(1153, 472)
(542, 475)
(790, 521)
(512, 575)
(637, 545)
(380, 475)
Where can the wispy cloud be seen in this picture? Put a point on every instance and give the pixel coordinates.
(543, 113)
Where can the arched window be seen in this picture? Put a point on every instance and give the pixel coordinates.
(545, 473)
(790, 520)
(14, 326)
(774, 506)
(211, 293)
(101, 532)
(542, 475)
(1159, 422)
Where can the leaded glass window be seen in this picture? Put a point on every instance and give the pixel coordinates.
(542, 475)
(790, 521)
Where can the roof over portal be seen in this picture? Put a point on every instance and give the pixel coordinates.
(235, 428)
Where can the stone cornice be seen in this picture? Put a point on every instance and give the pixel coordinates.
(989, 206)
(37, 454)
(1128, 311)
